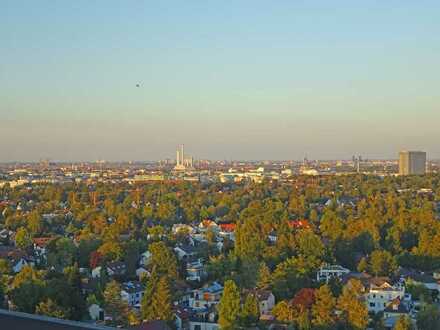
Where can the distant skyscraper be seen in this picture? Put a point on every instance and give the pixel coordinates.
(412, 162)
(180, 158)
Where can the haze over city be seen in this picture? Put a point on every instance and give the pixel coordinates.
(128, 80)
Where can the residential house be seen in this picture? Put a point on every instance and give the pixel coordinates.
(266, 301)
(96, 312)
(40, 248)
(141, 273)
(185, 252)
(381, 293)
(395, 309)
(197, 319)
(328, 272)
(116, 268)
(145, 258)
(195, 271)
(132, 292)
(96, 272)
(153, 325)
(206, 296)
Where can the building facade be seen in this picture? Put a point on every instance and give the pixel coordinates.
(412, 162)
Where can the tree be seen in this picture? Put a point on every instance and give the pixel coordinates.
(5, 267)
(354, 311)
(249, 239)
(163, 261)
(23, 239)
(250, 311)
(61, 253)
(162, 301)
(156, 301)
(49, 308)
(131, 257)
(229, 307)
(34, 223)
(2, 295)
(403, 323)
(382, 263)
(264, 277)
(323, 312)
(429, 318)
(363, 265)
(27, 289)
(283, 312)
(114, 305)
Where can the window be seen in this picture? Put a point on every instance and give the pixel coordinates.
(197, 327)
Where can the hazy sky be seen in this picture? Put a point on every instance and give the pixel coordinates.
(230, 79)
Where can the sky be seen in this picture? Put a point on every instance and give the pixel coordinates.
(229, 79)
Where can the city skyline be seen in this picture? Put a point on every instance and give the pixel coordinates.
(104, 80)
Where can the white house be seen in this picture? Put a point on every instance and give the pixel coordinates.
(195, 271)
(382, 293)
(17, 265)
(185, 252)
(141, 273)
(328, 272)
(116, 268)
(266, 301)
(132, 292)
(145, 258)
(96, 312)
(96, 272)
(206, 296)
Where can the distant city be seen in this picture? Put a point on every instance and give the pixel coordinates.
(187, 168)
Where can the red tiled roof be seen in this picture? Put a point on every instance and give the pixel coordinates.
(42, 241)
(230, 227)
(296, 224)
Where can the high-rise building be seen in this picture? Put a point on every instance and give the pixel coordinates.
(412, 162)
(180, 158)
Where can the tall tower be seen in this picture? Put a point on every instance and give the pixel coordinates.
(182, 154)
(177, 157)
(412, 162)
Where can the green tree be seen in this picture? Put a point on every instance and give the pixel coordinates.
(147, 308)
(429, 318)
(229, 307)
(249, 240)
(323, 310)
(354, 312)
(162, 301)
(131, 257)
(27, 289)
(34, 223)
(264, 277)
(115, 306)
(156, 302)
(403, 323)
(49, 308)
(250, 311)
(5, 267)
(382, 263)
(61, 253)
(363, 265)
(283, 312)
(23, 239)
(163, 261)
